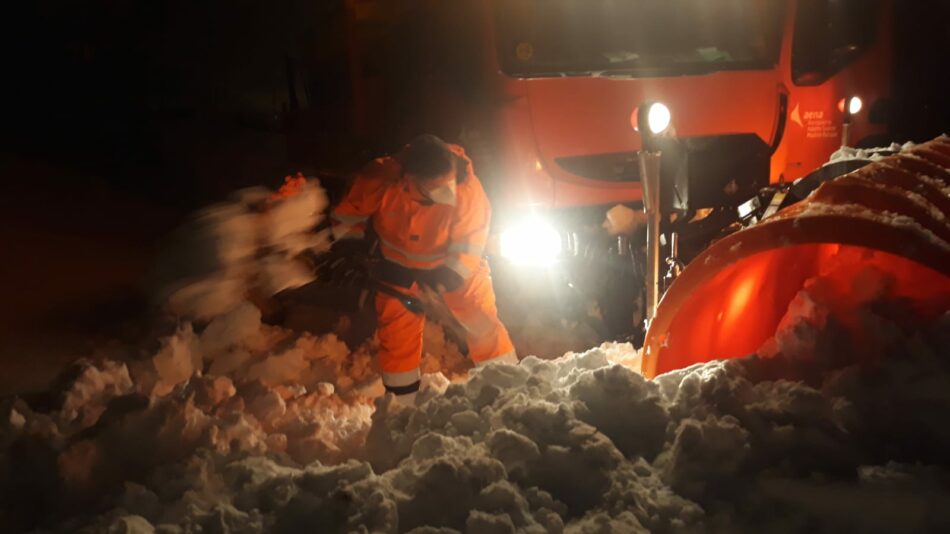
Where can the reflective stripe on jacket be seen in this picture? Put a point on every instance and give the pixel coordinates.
(413, 231)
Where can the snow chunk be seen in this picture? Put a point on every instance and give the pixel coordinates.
(621, 220)
(89, 394)
(240, 328)
(847, 153)
(251, 244)
(624, 406)
(177, 360)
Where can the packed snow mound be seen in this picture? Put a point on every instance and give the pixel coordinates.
(807, 437)
(236, 387)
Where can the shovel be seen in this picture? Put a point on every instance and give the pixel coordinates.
(428, 303)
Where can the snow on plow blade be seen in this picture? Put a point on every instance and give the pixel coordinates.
(890, 216)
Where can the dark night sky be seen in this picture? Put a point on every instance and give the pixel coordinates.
(187, 96)
(121, 117)
(120, 88)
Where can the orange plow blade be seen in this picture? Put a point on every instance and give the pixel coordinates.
(890, 216)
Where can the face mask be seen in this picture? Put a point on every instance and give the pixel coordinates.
(441, 193)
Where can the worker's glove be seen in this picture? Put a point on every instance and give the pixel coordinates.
(441, 277)
(346, 263)
(351, 248)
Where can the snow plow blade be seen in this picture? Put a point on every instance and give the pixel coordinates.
(891, 214)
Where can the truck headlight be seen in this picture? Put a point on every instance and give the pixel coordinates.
(658, 117)
(533, 241)
(851, 105)
(651, 119)
(855, 104)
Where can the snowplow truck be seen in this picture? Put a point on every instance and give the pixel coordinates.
(543, 95)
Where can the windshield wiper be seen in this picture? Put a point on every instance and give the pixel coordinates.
(672, 68)
(562, 74)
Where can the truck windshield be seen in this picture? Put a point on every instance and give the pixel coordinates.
(636, 37)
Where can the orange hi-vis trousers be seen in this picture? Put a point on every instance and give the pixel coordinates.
(400, 330)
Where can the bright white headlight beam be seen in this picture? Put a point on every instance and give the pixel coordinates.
(658, 117)
(855, 104)
(531, 242)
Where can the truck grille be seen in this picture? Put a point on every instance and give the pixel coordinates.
(613, 167)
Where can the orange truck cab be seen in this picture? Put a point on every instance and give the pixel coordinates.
(542, 93)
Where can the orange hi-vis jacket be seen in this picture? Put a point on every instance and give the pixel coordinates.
(416, 233)
(413, 231)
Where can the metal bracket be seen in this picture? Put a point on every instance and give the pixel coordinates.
(775, 204)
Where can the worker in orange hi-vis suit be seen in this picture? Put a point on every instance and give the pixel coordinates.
(431, 216)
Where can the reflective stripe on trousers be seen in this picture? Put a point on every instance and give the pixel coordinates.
(400, 330)
(402, 383)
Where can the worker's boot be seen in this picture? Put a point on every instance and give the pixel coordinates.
(407, 399)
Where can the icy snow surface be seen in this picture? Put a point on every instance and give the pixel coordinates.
(847, 153)
(282, 438)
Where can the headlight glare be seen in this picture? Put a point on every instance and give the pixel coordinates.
(658, 117)
(855, 104)
(531, 242)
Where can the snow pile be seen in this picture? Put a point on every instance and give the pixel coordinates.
(907, 191)
(811, 436)
(248, 245)
(237, 386)
(847, 153)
